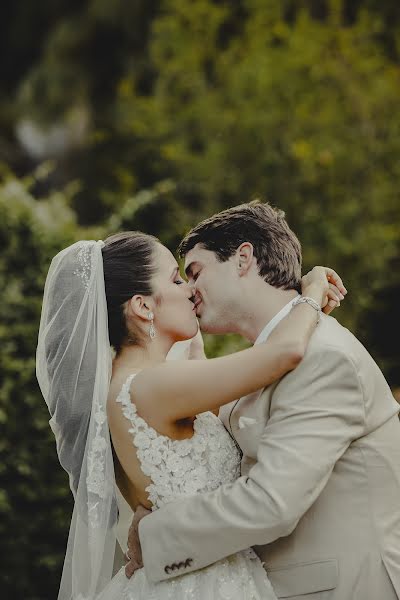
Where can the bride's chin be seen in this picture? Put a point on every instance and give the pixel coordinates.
(189, 334)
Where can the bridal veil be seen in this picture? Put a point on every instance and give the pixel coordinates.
(73, 368)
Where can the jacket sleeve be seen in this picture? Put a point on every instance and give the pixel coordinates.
(316, 412)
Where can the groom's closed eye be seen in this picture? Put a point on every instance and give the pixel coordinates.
(191, 272)
(195, 274)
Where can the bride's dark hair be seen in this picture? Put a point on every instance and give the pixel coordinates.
(128, 261)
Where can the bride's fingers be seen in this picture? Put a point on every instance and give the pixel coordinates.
(330, 306)
(327, 309)
(335, 290)
(332, 300)
(333, 297)
(334, 279)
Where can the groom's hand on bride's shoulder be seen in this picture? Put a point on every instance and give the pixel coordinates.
(133, 555)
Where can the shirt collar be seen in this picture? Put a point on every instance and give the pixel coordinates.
(270, 326)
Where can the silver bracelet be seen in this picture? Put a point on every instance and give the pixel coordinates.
(311, 302)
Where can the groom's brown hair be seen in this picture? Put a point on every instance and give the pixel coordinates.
(276, 247)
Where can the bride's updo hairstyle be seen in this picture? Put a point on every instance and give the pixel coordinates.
(128, 262)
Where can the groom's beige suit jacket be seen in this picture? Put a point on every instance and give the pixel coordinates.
(319, 495)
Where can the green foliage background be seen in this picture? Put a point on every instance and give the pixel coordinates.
(152, 115)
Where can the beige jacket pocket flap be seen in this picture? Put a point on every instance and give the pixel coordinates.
(304, 578)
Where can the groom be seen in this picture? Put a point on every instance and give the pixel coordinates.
(319, 492)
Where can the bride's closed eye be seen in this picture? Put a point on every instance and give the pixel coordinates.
(179, 281)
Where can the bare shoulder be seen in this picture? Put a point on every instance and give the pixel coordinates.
(152, 386)
(148, 401)
(142, 390)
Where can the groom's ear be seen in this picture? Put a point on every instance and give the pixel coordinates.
(244, 257)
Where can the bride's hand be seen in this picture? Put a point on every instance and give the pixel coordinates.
(325, 286)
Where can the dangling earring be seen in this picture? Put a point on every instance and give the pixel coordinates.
(152, 331)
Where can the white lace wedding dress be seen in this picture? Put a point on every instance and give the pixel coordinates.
(180, 468)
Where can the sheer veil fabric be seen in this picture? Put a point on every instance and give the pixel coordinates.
(73, 368)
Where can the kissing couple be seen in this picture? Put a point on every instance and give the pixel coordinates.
(273, 472)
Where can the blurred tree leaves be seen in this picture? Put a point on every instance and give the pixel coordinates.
(304, 113)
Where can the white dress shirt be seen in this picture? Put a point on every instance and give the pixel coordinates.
(270, 326)
(264, 335)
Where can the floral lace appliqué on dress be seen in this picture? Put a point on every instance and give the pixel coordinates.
(178, 468)
(181, 467)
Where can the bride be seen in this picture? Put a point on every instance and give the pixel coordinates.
(166, 440)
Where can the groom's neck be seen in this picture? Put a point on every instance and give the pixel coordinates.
(260, 304)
